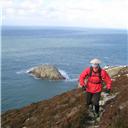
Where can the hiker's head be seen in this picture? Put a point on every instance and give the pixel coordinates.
(95, 63)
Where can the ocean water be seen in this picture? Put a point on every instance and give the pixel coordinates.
(69, 49)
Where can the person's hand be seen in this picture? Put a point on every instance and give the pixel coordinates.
(84, 88)
(108, 91)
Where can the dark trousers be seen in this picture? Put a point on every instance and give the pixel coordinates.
(93, 98)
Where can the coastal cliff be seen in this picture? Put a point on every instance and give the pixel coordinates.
(68, 110)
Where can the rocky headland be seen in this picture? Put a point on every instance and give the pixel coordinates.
(68, 110)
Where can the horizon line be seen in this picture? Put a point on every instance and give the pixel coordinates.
(52, 26)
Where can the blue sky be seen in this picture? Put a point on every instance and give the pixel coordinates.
(83, 13)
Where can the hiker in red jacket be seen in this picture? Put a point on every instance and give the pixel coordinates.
(95, 75)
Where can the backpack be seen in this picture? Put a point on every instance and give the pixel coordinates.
(99, 72)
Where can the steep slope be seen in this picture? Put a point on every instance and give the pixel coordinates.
(68, 110)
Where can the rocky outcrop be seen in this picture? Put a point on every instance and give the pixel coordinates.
(115, 70)
(49, 72)
(68, 110)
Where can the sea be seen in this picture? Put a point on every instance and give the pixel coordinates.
(68, 48)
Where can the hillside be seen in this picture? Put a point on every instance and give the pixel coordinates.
(69, 111)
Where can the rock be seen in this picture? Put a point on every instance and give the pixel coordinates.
(49, 72)
(73, 112)
(114, 71)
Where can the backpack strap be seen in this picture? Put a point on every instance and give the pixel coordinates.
(99, 71)
(90, 73)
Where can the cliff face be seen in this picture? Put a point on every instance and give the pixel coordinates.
(68, 110)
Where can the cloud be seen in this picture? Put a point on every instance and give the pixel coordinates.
(95, 13)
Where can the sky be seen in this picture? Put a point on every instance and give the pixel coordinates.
(82, 13)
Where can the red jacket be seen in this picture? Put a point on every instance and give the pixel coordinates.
(94, 84)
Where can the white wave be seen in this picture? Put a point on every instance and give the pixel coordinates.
(24, 71)
(72, 80)
(21, 72)
(63, 73)
(30, 69)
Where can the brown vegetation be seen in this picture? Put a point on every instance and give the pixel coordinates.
(68, 110)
